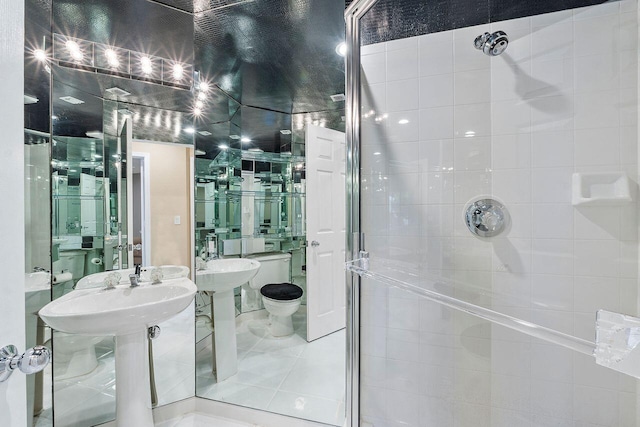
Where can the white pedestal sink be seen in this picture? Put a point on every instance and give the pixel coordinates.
(126, 313)
(220, 278)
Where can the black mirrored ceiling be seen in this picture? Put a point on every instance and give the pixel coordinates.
(274, 54)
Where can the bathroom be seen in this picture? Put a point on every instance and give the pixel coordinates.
(491, 217)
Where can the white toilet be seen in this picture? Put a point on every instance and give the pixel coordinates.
(280, 298)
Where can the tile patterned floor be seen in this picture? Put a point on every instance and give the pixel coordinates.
(288, 376)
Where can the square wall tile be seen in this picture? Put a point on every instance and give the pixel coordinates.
(402, 64)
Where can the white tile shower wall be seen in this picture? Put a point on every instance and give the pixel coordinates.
(442, 124)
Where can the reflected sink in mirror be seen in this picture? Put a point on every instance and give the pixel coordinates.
(118, 311)
(223, 275)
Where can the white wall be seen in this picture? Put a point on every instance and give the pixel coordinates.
(12, 329)
(561, 99)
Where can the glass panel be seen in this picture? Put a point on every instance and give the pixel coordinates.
(547, 129)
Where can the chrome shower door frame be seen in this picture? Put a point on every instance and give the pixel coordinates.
(355, 241)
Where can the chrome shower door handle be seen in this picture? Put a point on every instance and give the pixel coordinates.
(31, 361)
(315, 243)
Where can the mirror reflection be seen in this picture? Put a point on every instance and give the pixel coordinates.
(197, 147)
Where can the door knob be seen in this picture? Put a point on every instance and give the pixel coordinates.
(315, 243)
(31, 361)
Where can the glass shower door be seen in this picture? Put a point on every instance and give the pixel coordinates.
(463, 326)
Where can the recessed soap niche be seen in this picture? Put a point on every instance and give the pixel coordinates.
(601, 189)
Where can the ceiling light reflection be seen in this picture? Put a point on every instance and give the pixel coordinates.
(145, 65)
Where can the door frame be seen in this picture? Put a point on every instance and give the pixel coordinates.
(145, 204)
(355, 241)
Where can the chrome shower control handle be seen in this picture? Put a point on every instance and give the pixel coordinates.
(31, 361)
(486, 217)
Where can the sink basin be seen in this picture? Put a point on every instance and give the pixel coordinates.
(169, 272)
(223, 275)
(118, 311)
(35, 282)
(126, 313)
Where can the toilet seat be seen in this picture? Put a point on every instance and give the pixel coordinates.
(281, 291)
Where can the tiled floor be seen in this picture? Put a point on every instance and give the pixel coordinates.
(200, 420)
(288, 376)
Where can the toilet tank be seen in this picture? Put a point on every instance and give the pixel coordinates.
(274, 268)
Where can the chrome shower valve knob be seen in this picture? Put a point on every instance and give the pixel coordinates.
(486, 217)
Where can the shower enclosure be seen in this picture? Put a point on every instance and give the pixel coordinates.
(492, 179)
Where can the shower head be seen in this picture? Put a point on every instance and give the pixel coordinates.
(492, 44)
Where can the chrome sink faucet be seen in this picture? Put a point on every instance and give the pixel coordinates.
(134, 278)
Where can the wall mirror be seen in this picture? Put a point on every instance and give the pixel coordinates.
(217, 110)
(270, 188)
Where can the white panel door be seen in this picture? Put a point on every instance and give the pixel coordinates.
(13, 403)
(325, 175)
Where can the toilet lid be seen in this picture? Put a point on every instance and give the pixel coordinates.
(281, 291)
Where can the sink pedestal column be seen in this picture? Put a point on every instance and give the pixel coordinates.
(133, 393)
(225, 353)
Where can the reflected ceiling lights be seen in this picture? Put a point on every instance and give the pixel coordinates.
(74, 50)
(117, 91)
(285, 132)
(245, 139)
(341, 49)
(223, 146)
(178, 71)
(71, 100)
(40, 55)
(189, 130)
(70, 51)
(205, 133)
(112, 58)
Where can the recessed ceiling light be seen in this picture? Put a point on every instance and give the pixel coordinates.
(189, 130)
(74, 50)
(403, 121)
(202, 96)
(145, 65)
(95, 134)
(285, 132)
(199, 104)
(30, 99)
(117, 91)
(205, 133)
(204, 87)
(178, 71)
(112, 58)
(197, 111)
(234, 136)
(40, 55)
(71, 100)
(223, 146)
(341, 49)
(245, 139)
(338, 97)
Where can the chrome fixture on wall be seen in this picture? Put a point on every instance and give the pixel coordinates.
(486, 217)
(31, 361)
(492, 44)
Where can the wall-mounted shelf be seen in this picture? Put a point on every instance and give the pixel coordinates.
(601, 189)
